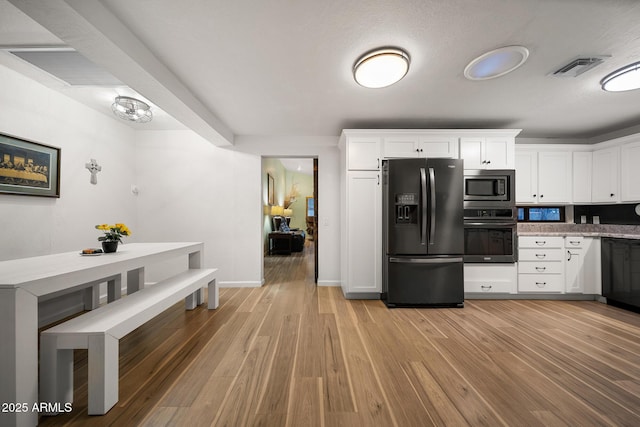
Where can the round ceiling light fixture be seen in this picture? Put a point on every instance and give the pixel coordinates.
(132, 109)
(626, 78)
(496, 63)
(381, 67)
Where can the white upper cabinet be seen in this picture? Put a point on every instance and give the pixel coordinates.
(408, 146)
(439, 146)
(526, 177)
(543, 177)
(582, 176)
(630, 172)
(363, 153)
(554, 177)
(604, 182)
(487, 152)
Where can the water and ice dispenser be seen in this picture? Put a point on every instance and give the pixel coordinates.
(406, 208)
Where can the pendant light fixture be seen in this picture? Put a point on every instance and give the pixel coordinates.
(626, 78)
(381, 67)
(132, 109)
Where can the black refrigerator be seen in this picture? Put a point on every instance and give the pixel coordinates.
(423, 233)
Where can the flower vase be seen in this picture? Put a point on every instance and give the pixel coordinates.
(109, 246)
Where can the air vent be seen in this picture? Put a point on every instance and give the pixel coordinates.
(579, 66)
(67, 65)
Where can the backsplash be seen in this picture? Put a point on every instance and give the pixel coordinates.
(532, 227)
(609, 214)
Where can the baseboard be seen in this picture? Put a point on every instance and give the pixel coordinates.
(61, 314)
(328, 283)
(559, 297)
(362, 295)
(240, 284)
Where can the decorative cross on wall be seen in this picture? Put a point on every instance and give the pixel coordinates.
(94, 168)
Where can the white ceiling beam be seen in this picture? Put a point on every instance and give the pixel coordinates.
(91, 29)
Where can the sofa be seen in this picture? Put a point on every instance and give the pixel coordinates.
(298, 236)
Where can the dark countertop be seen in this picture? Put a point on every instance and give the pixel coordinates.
(586, 230)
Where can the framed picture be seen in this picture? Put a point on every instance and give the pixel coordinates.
(270, 189)
(28, 168)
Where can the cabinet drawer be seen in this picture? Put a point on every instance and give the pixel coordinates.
(532, 267)
(540, 254)
(573, 242)
(488, 286)
(540, 241)
(540, 282)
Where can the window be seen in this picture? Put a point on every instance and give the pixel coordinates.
(310, 207)
(541, 214)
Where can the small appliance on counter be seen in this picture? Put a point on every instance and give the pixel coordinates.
(423, 236)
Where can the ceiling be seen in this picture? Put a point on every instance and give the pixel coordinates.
(283, 68)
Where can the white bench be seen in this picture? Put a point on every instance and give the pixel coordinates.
(100, 330)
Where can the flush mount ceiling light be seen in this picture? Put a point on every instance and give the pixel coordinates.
(626, 78)
(381, 67)
(132, 109)
(496, 63)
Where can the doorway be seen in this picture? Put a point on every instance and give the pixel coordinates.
(290, 197)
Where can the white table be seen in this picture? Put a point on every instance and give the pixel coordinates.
(24, 281)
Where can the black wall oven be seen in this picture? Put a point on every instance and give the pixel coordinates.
(490, 236)
(489, 188)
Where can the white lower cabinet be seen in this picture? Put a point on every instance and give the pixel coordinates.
(540, 264)
(490, 278)
(574, 248)
(559, 264)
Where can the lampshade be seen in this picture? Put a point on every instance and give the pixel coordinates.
(288, 212)
(277, 210)
(626, 78)
(132, 109)
(381, 68)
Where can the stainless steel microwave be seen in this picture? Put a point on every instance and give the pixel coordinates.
(489, 188)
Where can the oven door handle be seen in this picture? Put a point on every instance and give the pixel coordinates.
(490, 224)
(425, 260)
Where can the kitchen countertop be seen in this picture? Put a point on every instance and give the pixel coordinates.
(586, 230)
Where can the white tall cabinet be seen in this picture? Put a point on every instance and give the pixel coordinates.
(361, 215)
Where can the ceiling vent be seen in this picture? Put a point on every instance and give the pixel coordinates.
(67, 65)
(579, 66)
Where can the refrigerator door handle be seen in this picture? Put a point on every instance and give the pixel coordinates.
(432, 188)
(423, 223)
(425, 260)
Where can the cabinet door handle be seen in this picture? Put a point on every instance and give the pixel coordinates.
(612, 194)
(534, 195)
(541, 256)
(488, 161)
(541, 196)
(378, 176)
(485, 288)
(574, 242)
(378, 163)
(568, 255)
(541, 242)
(541, 284)
(541, 269)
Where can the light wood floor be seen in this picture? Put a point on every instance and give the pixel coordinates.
(291, 354)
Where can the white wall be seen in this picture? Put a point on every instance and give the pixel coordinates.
(191, 190)
(326, 150)
(39, 225)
